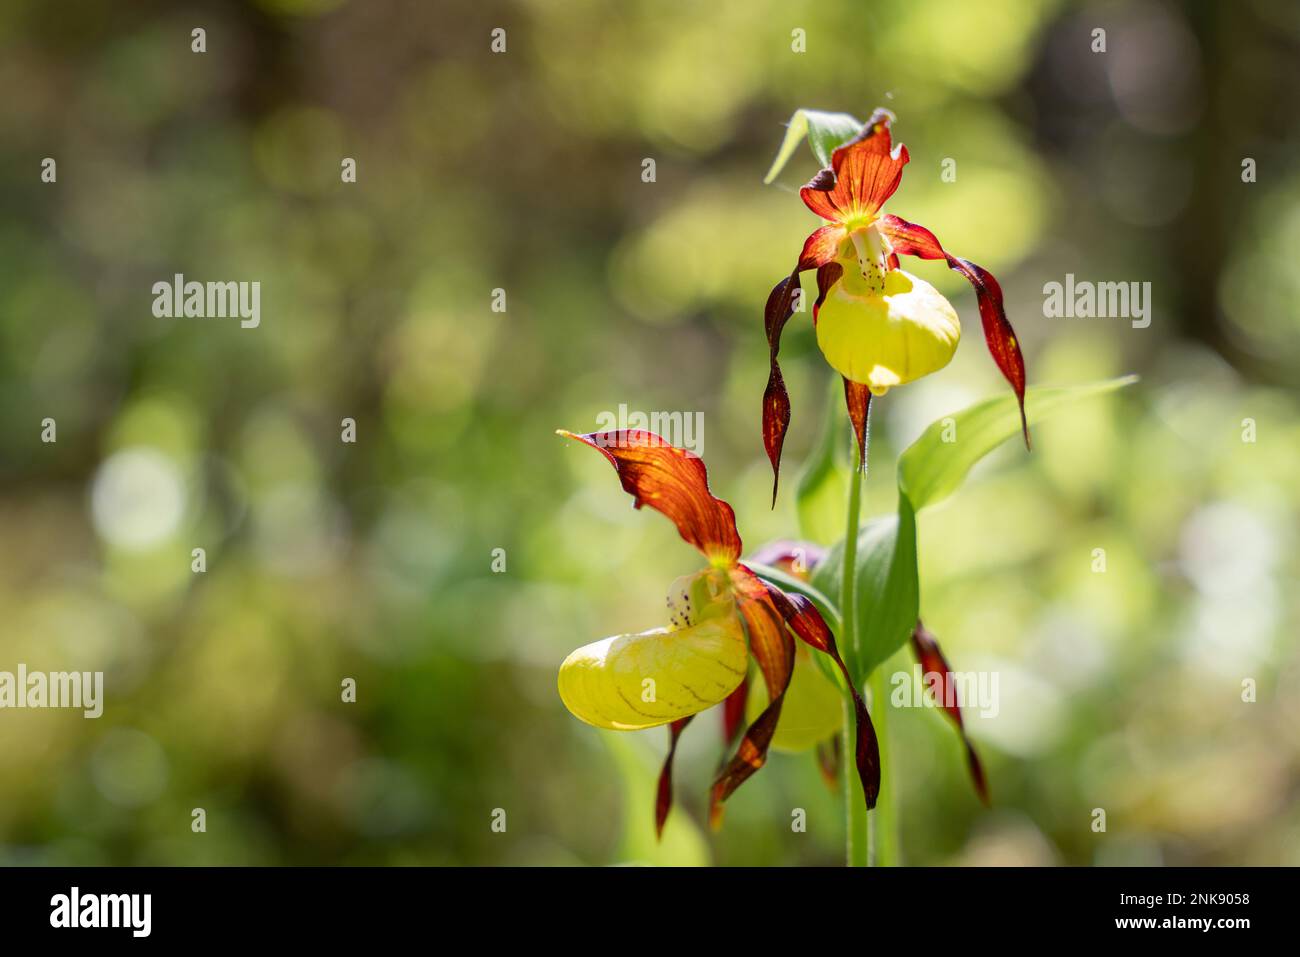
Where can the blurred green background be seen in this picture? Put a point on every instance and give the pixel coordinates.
(522, 171)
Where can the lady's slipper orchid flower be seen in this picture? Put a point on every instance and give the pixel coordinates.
(719, 618)
(878, 326)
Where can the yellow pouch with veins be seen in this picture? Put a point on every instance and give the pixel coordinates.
(884, 340)
(630, 682)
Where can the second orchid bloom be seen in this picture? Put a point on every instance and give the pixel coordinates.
(878, 326)
(719, 618)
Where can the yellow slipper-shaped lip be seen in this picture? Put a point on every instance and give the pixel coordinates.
(630, 682)
(887, 340)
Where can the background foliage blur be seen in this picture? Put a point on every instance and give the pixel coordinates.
(523, 171)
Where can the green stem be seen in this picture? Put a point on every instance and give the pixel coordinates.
(856, 838)
(884, 821)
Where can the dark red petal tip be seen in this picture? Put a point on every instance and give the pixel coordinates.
(776, 400)
(909, 239)
(664, 794)
(938, 680)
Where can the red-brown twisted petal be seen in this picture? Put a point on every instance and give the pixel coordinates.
(776, 400)
(664, 796)
(909, 239)
(857, 399)
(934, 664)
(806, 621)
(673, 482)
(818, 252)
(864, 172)
(772, 646)
(733, 713)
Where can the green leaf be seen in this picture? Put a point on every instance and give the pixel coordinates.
(824, 131)
(824, 484)
(931, 469)
(887, 596)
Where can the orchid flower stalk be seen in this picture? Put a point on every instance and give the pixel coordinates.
(879, 327)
